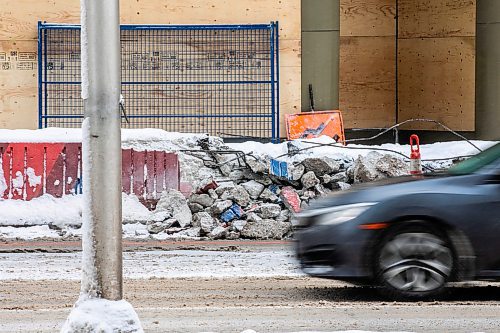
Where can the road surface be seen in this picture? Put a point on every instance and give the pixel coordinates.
(276, 298)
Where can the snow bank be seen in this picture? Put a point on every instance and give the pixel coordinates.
(151, 139)
(61, 212)
(100, 315)
(142, 139)
(449, 149)
(65, 213)
(44, 210)
(28, 233)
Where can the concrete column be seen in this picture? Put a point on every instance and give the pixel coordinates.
(488, 70)
(320, 53)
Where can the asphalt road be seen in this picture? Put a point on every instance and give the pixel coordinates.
(264, 304)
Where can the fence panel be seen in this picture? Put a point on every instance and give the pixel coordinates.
(216, 79)
(29, 170)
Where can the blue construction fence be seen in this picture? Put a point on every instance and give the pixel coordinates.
(217, 79)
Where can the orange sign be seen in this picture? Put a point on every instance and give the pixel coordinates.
(309, 125)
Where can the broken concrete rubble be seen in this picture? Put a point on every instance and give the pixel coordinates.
(309, 180)
(175, 203)
(156, 227)
(205, 222)
(246, 180)
(219, 207)
(267, 211)
(296, 171)
(268, 195)
(259, 165)
(376, 166)
(195, 207)
(265, 229)
(251, 203)
(238, 225)
(202, 199)
(253, 217)
(321, 166)
(218, 233)
(253, 188)
(290, 199)
(238, 194)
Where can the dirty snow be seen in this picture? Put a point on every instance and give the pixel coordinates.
(139, 139)
(66, 212)
(43, 210)
(103, 316)
(154, 264)
(151, 139)
(61, 212)
(449, 149)
(28, 233)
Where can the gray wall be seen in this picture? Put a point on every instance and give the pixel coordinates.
(488, 70)
(320, 53)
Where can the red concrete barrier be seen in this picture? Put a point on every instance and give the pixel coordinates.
(30, 170)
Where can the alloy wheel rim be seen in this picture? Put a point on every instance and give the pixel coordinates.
(415, 262)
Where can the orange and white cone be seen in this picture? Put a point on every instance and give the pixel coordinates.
(415, 162)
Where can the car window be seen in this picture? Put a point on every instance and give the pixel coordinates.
(477, 162)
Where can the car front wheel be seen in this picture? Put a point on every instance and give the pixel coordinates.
(414, 263)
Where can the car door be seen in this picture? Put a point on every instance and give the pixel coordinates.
(487, 220)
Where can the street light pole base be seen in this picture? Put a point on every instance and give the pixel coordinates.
(102, 315)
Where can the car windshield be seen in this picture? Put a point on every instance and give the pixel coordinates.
(477, 162)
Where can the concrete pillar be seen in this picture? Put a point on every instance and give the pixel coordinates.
(320, 53)
(488, 70)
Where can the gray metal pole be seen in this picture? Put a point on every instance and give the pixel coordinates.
(101, 146)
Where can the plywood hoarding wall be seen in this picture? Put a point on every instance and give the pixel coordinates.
(435, 66)
(437, 62)
(18, 41)
(367, 63)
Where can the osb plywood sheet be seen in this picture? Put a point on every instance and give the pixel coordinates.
(18, 103)
(18, 84)
(367, 81)
(437, 80)
(367, 17)
(19, 17)
(437, 18)
(290, 84)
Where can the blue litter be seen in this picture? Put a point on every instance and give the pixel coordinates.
(232, 213)
(228, 215)
(275, 168)
(274, 188)
(284, 169)
(279, 169)
(237, 210)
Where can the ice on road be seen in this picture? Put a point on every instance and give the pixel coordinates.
(154, 264)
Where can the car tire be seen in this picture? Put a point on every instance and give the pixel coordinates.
(414, 262)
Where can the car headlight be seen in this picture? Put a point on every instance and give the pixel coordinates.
(337, 214)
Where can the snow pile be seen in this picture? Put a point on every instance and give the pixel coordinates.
(44, 210)
(240, 190)
(449, 149)
(64, 212)
(29, 233)
(100, 315)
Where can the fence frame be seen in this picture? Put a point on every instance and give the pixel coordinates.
(273, 115)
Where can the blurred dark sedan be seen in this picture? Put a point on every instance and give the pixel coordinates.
(410, 235)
